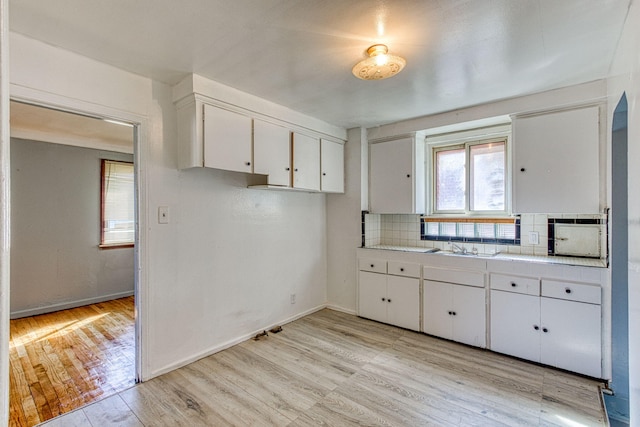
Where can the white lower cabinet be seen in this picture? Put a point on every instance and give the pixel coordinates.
(455, 312)
(553, 331)
(389, 298)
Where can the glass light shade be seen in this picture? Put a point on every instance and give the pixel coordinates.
(379, 65)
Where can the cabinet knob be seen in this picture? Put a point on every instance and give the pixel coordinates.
(450, 313)
(568, 290)
(514, 284)
(453, 312)
(408, 175)
(324, 174)
(371, 265)
(388, 299)
(295, 170)
(536, 327)
(383, 299)
(248, 163)
(545, 330)
(401, 269)
(522, 169)
(287, 169)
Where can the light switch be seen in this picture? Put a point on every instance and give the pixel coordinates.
(534, 238)
(163, 215)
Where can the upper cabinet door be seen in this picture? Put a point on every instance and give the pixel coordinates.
(306, 162)
(272, 152)
(396, 177)
(332, 166)
(227, 140)
(556, 165)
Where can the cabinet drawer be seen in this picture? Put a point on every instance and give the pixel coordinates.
(403, 269)
(373, 264)
(572, 291)
(520, 285)
(462, 277)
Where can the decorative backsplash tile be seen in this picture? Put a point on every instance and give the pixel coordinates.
(405, 230)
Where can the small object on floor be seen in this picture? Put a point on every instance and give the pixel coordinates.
(276, 329)
(260, 335)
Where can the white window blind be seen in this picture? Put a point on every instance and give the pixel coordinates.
(118, 203)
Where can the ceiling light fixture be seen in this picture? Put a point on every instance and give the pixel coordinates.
(379, 65)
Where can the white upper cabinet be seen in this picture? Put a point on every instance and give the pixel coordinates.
(556, 162)
(306, 162)
(397, 176)
(331, 166)
(227, 140)
(272, 152)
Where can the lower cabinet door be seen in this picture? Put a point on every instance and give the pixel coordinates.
(403, 302)
(372, 296)
(571, 337)
(470, 315)
(438, 309)
(514, 319)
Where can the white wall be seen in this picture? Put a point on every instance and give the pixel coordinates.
(226, 264)
(55, 230)
(626, 78)
(344, 227)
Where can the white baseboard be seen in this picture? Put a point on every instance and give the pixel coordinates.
(341, 309)
(66, 305)
(227, 344)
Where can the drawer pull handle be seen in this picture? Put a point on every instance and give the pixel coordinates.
(536, 327)
(401, 269)
(371, 265)
(514, 284)
(545, 330)
(568, 290)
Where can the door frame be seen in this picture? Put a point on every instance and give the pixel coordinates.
(140, 132)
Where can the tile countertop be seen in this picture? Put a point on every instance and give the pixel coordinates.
(565, 260)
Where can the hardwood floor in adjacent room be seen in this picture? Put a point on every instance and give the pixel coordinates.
(61, 361)
(335, 369)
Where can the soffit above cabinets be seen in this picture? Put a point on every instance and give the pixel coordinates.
(48, 125)
(299, 54)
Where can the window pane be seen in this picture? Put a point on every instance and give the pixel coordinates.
(450, 180)
(433, 228)
(487, 177)
(117, 203)
(486, 230)
(466, 229)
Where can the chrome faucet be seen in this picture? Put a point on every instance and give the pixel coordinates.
(458, 249)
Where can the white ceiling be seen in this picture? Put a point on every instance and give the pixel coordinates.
(43, 124)
(299, 53)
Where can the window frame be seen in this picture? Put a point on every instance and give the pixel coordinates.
(102, 244)
(467, 139)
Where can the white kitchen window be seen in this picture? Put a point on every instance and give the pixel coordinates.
(469, 175)
(117, 204)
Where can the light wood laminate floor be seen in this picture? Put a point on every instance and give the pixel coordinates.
(61, 361)
(335, 369)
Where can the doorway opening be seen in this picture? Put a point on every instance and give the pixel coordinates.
(73, 337)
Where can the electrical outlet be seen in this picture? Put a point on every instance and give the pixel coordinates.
(293, 298)
(534, 238)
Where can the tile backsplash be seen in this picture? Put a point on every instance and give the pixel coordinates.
(404, 230)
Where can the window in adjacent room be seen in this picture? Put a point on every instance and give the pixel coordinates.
(117, 204)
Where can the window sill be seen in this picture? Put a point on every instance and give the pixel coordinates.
(476, 219)
(116, 245)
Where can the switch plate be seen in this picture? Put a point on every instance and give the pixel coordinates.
(163, 215)
(534, 238)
